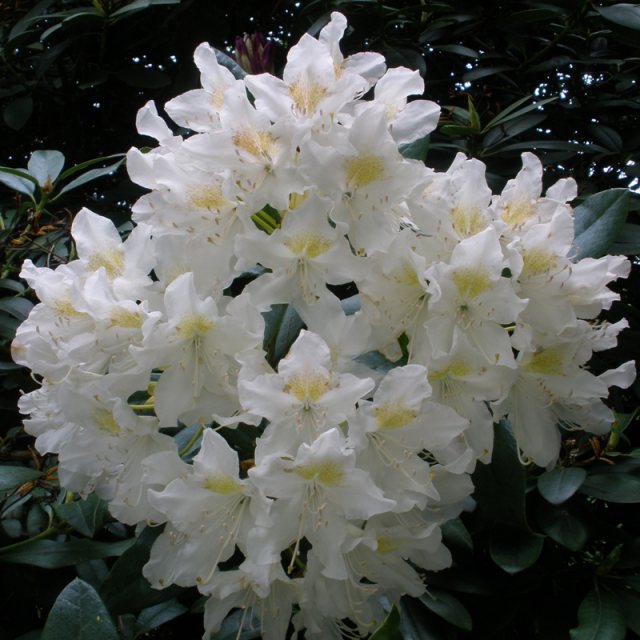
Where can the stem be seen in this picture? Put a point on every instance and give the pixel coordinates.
(191, 442)
(43, 534)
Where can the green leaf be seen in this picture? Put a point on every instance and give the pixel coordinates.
(86, 516)
(628, 241)
(79, 613)
(154, 616)
(416, 150)
(448, 607)
(140, 5)
(12, 285)
(630, 607)
(52, 554)
(458, 49)
(623, 14)
(283, 325)
(125, 588)
(598, 222)
(229, 63)
(457, 535)
(560, 484)
(390, 628)
(613, 487)
(17, 307)
(500, 486)
(483, 72)
(562, 526)
(45, 166)
(599, 618)
(93, 174)
(17, 113)
(515, 550)
(12, 477)
(77, 168)
(17, 180)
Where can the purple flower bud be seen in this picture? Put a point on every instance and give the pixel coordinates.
(254, 53)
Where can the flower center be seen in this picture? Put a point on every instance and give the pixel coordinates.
(207, 197)
(193, 325)
(307, 388)
(547, 362)
(364, 169)
(223, 484)
(110, 259)
(328, 473)
(471, 282)
(393, 415)
(310, 245)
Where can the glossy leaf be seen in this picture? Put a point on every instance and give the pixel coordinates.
(562, 526)
(52, 554)
(623, 14)
(125, 588)
(79, 613)
(457, 535)
(12, 476)
(90, 175)
(86, 516)
(448, 607)
(16, 180)
(390, 628)
(613, 487)
(140, 5)
(558, 485)
(500, 486)
(17, 307)
(628, 241)
(598, 222)
(515, 550)
(283, 325)
(228, 62)
(157, 615)
(599, 618)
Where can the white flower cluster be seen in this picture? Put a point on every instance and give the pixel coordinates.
(355, 468)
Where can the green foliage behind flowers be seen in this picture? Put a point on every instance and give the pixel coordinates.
(536, 553)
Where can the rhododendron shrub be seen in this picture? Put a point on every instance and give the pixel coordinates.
(471, 308)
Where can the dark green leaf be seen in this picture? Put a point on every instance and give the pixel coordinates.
(416, 150)
(227, 61)
(607, 137)
(140, 5)
(79, 613)
(459, 50)
(630, 606)
(77, 168)
(390, 628)
(45, 165)
(230, 629)
(448, 607)
(483, 72)
(598, 221)
(93, 174)
(419, 623)
(623, 14)
(599, 618)
(125, 588)
(562, 526)
(515, 550)
(283, 325)
(52, 554)
(86, 516)
(560, 484)
(456, 535)
(628, 241)
(17, 180)
(12, 285)
(154, 616)
(613, 487)
(17, 307)
(500, 486)
(17, 112)
(12, 477)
